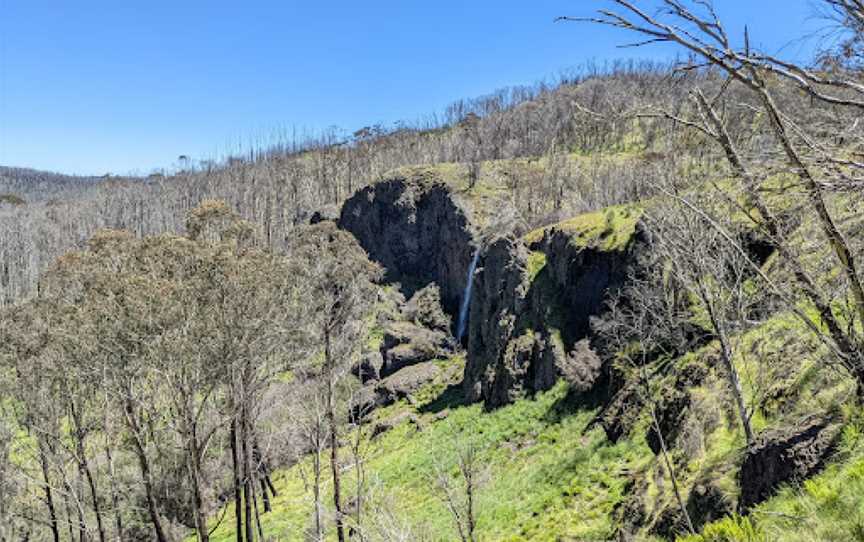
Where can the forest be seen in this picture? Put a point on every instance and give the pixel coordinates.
(627, 305)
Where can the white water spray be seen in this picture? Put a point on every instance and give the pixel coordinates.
(466, 297)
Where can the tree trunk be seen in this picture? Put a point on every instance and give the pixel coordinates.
(84, 466)
(265, 496)
(70, 524)
(146, 476)
(115, 497)
(727, 355)
(194, 459)
(334, 440)
(238, 484)
(49, 497)
(316, 489)
(248, 478)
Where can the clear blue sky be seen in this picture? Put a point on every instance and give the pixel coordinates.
(116, 86)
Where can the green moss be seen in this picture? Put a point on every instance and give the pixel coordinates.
(609, 229)
(536, 263)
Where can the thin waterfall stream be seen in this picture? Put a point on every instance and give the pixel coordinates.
(466, 297)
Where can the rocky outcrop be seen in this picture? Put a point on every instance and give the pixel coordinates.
(408, 344)
(425, 309)
(368, 367)
(706, 502)
(418, 231)
(621, 413)
(785, 456)
(393, 388)
(497, 355)
(673, 403)
(526, 324)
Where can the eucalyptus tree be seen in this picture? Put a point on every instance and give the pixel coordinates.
(246, 328)
(340, 294)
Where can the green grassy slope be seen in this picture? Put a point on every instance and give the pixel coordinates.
(546, 475)
(551, 475)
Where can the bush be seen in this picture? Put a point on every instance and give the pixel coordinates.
(731, 529)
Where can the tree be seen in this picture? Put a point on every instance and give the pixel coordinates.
(249, 308)
(340, 293)
(809, 150)
(461, 498)
(647, 322)
(714, 276)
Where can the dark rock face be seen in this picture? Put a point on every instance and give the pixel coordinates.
(582, 277)
(416, 229)
(785, 456)
(408, 344)
(495, 360)
(425, 309)
(523, 333)
(630, 513)
(707, 502)
(369, 367)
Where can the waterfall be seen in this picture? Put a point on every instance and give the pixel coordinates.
(466, 297)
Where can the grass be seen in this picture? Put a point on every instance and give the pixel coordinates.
(536, 263)
(825, 508)
(609, 229)
(547, 478)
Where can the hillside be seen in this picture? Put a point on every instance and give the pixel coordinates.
(626, 307)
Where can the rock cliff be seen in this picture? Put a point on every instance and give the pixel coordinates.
(529, 311)
(418, 230)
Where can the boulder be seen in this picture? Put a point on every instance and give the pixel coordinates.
(425, 309)
(408, 344)
(368, 367)
(393, 388)
(384, 426)
(788, 455)
(407, 381)
(365, 401)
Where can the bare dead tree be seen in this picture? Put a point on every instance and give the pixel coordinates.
(696, 28)
(460, 497)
